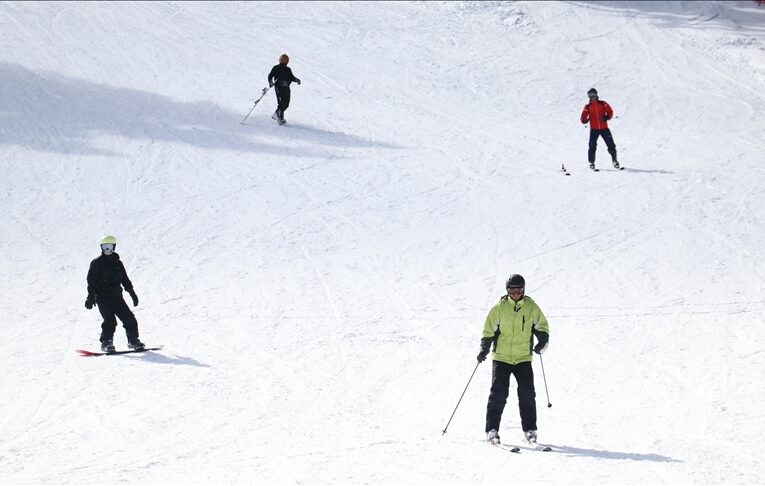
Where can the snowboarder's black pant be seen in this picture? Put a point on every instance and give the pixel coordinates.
(112, 307)
(607, 137)
(283, 94)
(500, 385)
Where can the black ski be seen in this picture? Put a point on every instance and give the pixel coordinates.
(509, 448)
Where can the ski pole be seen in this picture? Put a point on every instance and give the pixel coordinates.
(265, 90)
(545, 379)
(458, 402)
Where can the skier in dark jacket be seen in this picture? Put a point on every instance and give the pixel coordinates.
(106, 278)
(281, 77)
(597, 113)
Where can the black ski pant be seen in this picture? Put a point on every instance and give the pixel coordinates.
(283, 94)
(112, 307)
(500, 385)
(607, 137)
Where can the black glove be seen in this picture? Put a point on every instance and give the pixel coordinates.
(89, 302)
(135, 299)
(270, 85)
(485, 344)
(542, 339)
(605, 118)
(585, 121)
(297, 81)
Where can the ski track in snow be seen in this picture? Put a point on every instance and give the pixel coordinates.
(320, 287)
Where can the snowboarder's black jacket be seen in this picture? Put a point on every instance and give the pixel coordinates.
(105, 276)
(281, 76)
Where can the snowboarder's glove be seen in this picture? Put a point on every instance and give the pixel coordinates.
(585, 121)
(135, 299)
(485, 344)
(89, 302)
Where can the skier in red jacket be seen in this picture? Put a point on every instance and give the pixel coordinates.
(597, 113)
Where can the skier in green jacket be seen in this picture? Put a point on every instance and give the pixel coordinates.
(510, 327)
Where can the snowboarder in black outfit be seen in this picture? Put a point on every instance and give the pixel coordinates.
(280, 78)
(106, 277)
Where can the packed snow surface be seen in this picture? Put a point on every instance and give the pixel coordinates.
(320, 288)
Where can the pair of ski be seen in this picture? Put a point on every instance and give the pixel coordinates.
(84, 352)
(517, 450)
(565, 171)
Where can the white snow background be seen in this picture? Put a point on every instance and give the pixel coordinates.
(320, 288)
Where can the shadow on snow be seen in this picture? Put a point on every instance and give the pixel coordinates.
(51, 112)
(619, 456)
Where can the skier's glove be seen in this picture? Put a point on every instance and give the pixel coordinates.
(297, 81)
(540, 348)
(89, 302)
(605, 118)
(135, 299)
(585, 121)
(485, 344)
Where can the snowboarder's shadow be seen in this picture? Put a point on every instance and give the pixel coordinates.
(619, 456)
(172, 360)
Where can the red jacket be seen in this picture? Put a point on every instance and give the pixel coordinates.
(597, 112)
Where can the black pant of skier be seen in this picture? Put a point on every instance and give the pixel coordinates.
(111, 308)
(283, 94)
(500, 386)
(607, 137)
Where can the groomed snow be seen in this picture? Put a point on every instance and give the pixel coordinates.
(320, 288)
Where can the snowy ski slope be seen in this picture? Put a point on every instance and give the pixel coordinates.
(320, 288)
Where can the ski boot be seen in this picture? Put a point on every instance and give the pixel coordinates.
(492, 437)
(136, 344)
(107, 346)
(276, 115)
(592, 165)
(531, 436)
(616, 164)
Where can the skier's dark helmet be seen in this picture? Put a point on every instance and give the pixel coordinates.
(592, 92)
(515, 282)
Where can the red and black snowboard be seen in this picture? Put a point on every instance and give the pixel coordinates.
(84, 352)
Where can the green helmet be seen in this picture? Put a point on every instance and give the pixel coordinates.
(108, 239)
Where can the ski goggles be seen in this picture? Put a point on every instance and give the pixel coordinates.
(515, 290)
(107, 248)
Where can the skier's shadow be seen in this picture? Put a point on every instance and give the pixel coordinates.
(172, 360)
(647, 171)
(619, 456)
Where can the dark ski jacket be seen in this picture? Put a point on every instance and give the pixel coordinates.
(598, 113)
(105, 276)
(281, 76)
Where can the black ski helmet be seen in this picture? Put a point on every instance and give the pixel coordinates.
(592, 91)
(515, 281)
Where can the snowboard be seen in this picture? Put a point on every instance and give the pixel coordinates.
(84, 352)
